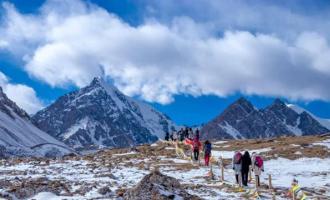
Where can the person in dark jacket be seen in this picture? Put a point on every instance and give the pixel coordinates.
(167, 136)
(246, 163)
(207, 152)
(197, 134)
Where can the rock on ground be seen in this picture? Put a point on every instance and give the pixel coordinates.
(158, 186)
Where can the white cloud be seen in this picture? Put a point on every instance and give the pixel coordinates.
(24, 96)
(156, 60)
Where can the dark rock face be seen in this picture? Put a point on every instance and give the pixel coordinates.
(158, 186)
(100, 115)
(242, 120)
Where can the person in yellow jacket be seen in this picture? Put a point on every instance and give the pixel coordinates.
(296, 191)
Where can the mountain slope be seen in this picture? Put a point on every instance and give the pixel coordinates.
(322, 121)
(100, 115)
(18, 136)
(242, 120)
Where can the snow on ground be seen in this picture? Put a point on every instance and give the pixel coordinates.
(220, 142)
(229, 154)
(311, 172)
(323, 143)
(124, 170)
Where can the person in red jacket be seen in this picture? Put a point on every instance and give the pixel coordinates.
(196, 146)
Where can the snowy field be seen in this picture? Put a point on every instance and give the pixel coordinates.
(105, 174)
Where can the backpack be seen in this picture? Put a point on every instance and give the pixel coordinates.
(238, 158)
(259, 162)
(196, 145)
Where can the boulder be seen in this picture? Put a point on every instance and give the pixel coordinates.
(158, 186)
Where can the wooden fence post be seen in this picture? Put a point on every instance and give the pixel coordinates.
(222, 169)
(270, 186)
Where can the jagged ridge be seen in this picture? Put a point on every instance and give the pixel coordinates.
(242, 120)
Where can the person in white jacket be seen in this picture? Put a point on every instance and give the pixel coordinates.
(237, 167)
(257, 167)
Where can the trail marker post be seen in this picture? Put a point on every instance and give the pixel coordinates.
(222, 170)
(270, 185)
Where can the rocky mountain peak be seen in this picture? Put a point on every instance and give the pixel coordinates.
(242, 120)
(100, 115)
(8, 106)
(98, 82)
(277, 104)
(241, 105)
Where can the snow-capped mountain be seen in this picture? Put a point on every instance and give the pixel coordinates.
(322, 121)
(18, 136)
(100, 115)
(242, 120)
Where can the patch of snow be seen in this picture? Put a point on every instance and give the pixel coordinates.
(82, 124)
(220, 142)
(295, 129)
(231, 130)
(125, 154)
(229, 154)
(310, 172)
(323, 143)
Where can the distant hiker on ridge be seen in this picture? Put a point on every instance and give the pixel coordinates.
(167, 136)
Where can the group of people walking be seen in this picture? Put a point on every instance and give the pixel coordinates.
(243, 164)
(192, 138)
(182, 134)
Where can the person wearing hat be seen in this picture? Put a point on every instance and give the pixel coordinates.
(296, 191)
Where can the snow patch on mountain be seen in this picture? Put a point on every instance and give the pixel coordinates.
(231, 131)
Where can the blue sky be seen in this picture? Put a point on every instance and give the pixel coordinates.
(189, 59)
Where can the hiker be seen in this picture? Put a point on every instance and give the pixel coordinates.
(296, 191)
(175, 136)
(196, 145)
(181, 135)
(257, 167)
(191, 134)
(167, 136)
(237, 166)
(186, 133)
(197, 134)
(171, 137)
(246, 162)
(207, 148)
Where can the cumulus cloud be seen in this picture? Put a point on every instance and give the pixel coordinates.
(72, 42)
(24, 96)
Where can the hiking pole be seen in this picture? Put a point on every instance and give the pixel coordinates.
(250, 175)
